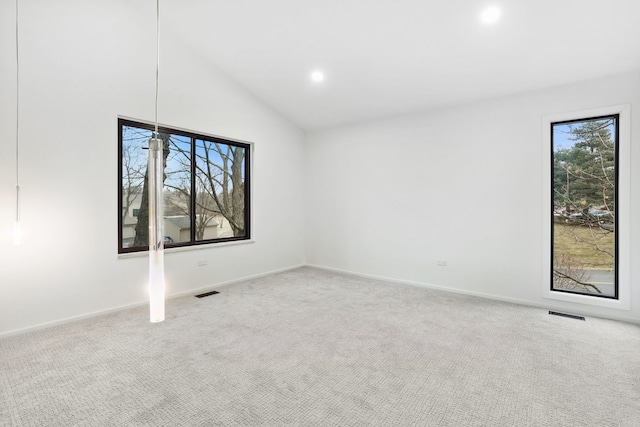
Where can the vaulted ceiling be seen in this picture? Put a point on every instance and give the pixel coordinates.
(387, 57)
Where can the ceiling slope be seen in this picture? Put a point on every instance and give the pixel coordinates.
(389, 57)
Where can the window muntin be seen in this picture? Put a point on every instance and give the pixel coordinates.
(584, 180)
(215, 170)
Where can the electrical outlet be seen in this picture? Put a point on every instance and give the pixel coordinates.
(202, 262)
(441, 262)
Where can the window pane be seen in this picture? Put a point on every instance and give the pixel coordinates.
(220, 190)
(584, 206)
(177, 191)
(134, 167)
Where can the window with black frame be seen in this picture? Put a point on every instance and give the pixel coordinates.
(584, 200)
(205, 193)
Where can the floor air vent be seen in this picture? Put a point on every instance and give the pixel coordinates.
(571, 316)
(206, 294)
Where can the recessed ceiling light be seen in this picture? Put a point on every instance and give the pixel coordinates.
(490, 15)
(317, 76)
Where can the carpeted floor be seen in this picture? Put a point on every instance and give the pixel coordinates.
(315, 348)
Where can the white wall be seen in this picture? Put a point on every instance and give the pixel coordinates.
(462, 184)
(82, 65)
(384, 198)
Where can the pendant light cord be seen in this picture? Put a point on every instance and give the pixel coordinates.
(17, 121)
(157, 62)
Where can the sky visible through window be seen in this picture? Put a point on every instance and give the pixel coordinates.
(562, 135)
(138, 140)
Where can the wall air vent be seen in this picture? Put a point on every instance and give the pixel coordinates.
(206, 294)
(571, 316)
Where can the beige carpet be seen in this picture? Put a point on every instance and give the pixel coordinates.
(315, 348)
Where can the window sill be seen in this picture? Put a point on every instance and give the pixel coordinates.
(619, 304)
(167, 251)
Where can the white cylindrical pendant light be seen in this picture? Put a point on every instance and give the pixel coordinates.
(17, 232)
(155, 174)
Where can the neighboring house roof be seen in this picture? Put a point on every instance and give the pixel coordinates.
(183, 222)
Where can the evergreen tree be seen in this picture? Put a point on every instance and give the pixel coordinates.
(584, 175)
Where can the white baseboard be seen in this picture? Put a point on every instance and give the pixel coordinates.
(139, 304)
(321, 267)
(203, 289)
(46, 325)
(578, 311)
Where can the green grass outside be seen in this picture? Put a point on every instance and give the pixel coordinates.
(579, 243)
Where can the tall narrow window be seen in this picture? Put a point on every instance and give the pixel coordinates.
(206, 188)
(584, 193)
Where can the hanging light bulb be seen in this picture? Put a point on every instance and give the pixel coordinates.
(155, 176)
(17, 232)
